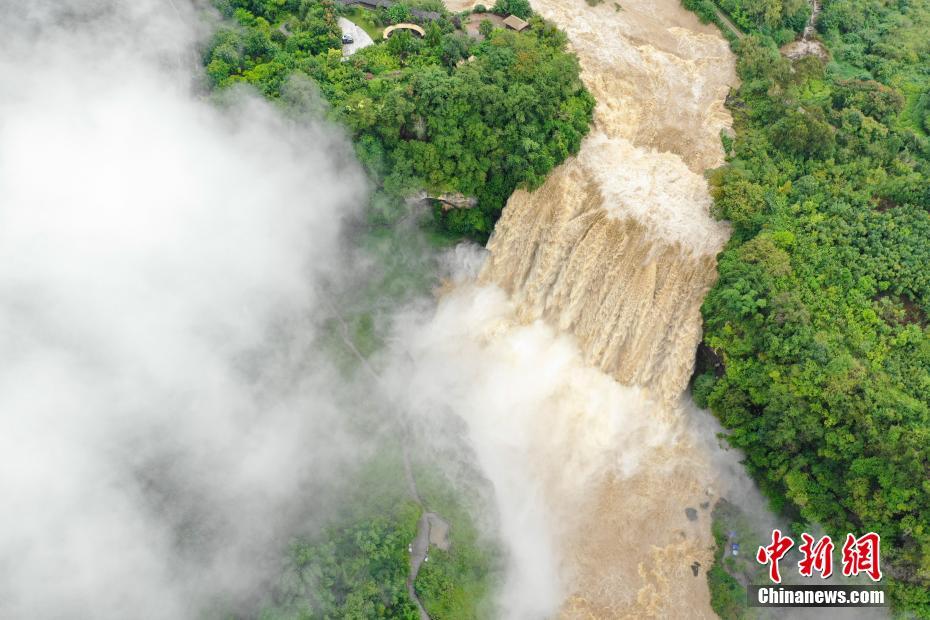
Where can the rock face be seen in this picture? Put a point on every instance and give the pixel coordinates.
(448, 200)
(808, 44)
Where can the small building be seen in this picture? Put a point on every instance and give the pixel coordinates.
(515, 23)
(425, 16)
(368, 4)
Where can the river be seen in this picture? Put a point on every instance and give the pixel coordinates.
(568, 353)
(618, 249)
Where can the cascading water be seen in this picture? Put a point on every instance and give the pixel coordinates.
(617, 248)
(568, 355)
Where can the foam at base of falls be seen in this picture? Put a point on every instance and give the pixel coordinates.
(590, 477)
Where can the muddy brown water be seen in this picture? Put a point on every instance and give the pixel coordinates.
(617, 250)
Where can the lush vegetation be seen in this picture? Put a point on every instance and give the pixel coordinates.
(817, 335)
(768, 16)
(457, 584)
(728, 576)
(520, 8)
(468, 117)
(780, 20)
(358, 567)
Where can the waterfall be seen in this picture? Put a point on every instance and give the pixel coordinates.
(617, 249)
(568, 355)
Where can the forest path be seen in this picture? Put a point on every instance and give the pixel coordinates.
(808, 44)
(729, 23)
(419, 546)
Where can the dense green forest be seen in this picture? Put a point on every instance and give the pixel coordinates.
(357, 566)
(779, 20)
(469, 116)
(817, 339)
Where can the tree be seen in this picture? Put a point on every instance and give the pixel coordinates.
(740, 201)
(401, 43)
(804, 132)
(820, 313)
(398, 13)
(520, 8)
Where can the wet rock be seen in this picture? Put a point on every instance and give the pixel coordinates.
(691, 513)
(448, 200)
(438, 531)
(805, 47)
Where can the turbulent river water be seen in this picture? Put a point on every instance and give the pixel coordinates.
(618, 249)
(581, 327)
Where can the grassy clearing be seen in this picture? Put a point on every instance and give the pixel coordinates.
(367, 21)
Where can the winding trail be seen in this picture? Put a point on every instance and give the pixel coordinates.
(729, 23)
(419, 546)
